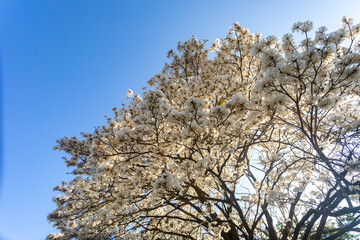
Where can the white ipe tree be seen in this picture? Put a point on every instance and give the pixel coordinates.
(257, 140)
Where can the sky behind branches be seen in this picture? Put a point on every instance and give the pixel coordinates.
(64, 64)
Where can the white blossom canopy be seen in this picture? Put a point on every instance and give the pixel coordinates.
(248, 139)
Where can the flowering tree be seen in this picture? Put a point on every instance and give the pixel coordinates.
(258, 140)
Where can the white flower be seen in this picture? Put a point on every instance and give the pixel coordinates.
(129, 94)
(55, 236)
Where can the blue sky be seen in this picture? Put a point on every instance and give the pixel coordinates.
(65, 64)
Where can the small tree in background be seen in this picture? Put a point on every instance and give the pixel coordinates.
(258, 141)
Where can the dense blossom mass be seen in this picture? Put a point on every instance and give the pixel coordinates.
(249, 138)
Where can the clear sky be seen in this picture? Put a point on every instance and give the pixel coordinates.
(64, 64)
